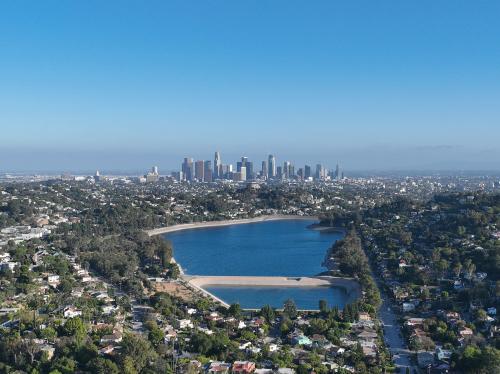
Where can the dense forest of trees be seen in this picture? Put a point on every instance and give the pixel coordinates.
(352, 261)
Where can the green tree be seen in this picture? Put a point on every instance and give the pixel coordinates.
(101, 365)
(290, 309)
(156, 336)
(76, 328)
(138, 350)
(323, 307)
(234, 310)
(267, 313)
(64, 365)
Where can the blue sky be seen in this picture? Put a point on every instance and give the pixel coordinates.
(373, 84)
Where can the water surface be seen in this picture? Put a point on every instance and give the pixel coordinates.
(270, 248)
(304, 297)
(280, 248)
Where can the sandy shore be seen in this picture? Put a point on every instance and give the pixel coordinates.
(198, 225)
(350, 285)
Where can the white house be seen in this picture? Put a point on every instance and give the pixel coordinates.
(185, 323)
(71, 312)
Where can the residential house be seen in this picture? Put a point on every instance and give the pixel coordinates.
(244, 367)
(71, 312)
(216, 367)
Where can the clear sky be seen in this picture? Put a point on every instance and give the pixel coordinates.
(123, 85)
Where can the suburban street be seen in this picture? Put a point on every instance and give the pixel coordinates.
(392, 334)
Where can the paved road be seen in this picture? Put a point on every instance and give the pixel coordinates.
(392, 335)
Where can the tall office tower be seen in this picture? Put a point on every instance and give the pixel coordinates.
(217, 166)
(243, 173)
(241, 163)
(337, 171)
(228, 169)
(291, 171)
(198, 170)
(307, 172)
(286, 167)
(279, 172)
(154, 170)
(263, 172)
(271, 166)
(207, 171)
(187, 169)
(320, 171)
(300, 173)
(249, 171)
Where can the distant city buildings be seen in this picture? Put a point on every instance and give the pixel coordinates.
(202, 171)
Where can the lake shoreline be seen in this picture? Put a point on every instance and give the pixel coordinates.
(229, 222)
(350, 286)
(199, 282)
(328, 229)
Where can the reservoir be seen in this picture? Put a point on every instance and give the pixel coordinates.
(270, 248)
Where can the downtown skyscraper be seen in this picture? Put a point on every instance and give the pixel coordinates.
(218, 172)
(271, 167)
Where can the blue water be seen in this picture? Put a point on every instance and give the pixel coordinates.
(281, 248)
(256, 297)
(273, 248)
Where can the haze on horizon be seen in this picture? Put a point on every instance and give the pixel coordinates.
(121, 85)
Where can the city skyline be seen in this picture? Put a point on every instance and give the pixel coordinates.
(143, 83)
(201, 170)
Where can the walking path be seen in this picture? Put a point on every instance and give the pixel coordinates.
(229, 222)
(198, 282)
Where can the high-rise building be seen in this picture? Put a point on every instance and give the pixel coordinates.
(217, 166)
(263, 171)
(279, 172)
(271, 166)
(286, 166)
(249, 172)
(152, 176)
(337, 171)
(243, 173)
(187, 169)
(244, 163)
(320, 171)
(207, 171)
(307, 172)
(198, 170)
(300, 173)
